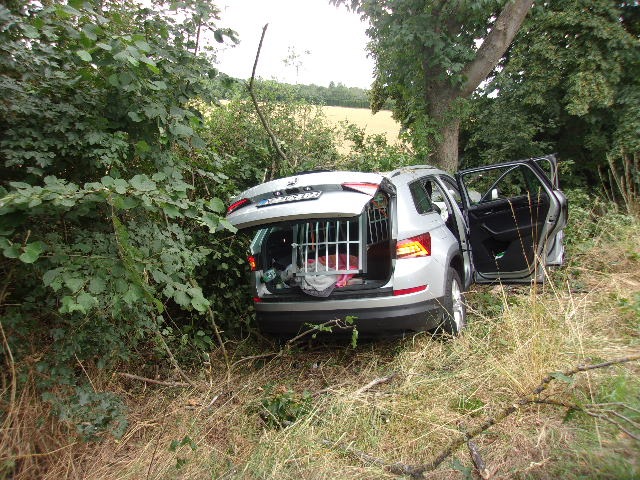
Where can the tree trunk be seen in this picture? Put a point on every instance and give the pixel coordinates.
(446, 154)
(439, 101)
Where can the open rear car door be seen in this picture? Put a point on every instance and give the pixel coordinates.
(515, 214)
(304, 197)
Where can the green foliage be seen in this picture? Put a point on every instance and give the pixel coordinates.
(103, 217)
(176, 445)
(305, 135)
(281, 406)
(336, 94)
(468, 404)
(91, 412)
(592, 221)
(569, 85)
(373, 153)
(423, 50)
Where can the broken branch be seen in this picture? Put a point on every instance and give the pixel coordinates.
(263, 119)
(151, 380)
(478, 462)
(373, 383)
(417, 471)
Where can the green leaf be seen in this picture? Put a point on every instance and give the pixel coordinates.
(69, 305)
(12, 251)
(143, 183)
(216, 205)
(171, 211)
(71, 11)
(121, 185)
(212, 221)
(200, 303)
(142, 45)
(84, 55)
(224, 223)
(134, 294)
(30, 31)
(142, 147)
(104, 46)
(52, 278)
(74, 284)
(197, 299)
(32, 252)
(86, 301)
(89, 31)
(134, 116)
(97, 285)
(181, 298)
(158, 85)
(180, 129)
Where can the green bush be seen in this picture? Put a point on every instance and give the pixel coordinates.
(100, 214)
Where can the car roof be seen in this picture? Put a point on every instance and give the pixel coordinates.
(411, 172)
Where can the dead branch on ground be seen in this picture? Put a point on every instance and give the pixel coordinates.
(373, 383)
(478, 461)
(174, 362)
(164, 383)
(297, 340)
(418, 471)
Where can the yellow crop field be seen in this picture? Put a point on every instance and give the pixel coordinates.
(380, 123)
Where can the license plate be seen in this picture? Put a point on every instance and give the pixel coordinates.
(296, 197)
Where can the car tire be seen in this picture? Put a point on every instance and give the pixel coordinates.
(455, 309)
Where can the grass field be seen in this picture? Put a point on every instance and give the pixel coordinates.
(381, 123)
(331, 411)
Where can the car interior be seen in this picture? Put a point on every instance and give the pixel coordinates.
(506, 223)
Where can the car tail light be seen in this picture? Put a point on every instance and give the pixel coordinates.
(239, 204)
(362, 187)
(253, 262)
(418, 246)
(406, 291)
(257, 299)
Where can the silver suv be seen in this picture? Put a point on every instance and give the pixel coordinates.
(397, 250)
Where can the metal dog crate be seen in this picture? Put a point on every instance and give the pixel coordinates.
(332, 240)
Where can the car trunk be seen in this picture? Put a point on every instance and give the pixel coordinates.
(329, 257)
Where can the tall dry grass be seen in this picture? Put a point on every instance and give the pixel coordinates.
(516, 335)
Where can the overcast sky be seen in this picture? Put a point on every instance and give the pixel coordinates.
(334, 37)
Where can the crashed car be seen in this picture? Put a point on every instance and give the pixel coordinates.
(396, 250)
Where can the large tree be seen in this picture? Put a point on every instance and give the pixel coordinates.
(570, 84)
(430, 55)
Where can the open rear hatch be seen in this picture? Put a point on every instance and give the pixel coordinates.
(318, 238)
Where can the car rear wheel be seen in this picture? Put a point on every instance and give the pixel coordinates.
(455, 310)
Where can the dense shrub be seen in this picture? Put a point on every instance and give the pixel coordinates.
(100, 205)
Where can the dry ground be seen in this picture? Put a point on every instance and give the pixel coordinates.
(228, 428)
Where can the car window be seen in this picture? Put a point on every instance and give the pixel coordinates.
(453, 190)
(437, 197)
(502, 182)
(421, 198)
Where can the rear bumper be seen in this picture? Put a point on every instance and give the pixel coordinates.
(387, 320)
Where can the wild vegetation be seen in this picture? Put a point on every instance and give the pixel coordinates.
(126, 332)
(336, 94)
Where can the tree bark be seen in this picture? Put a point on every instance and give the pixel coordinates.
(446, 153)
(439, 101)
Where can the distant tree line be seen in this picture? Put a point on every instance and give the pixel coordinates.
(336, 94)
